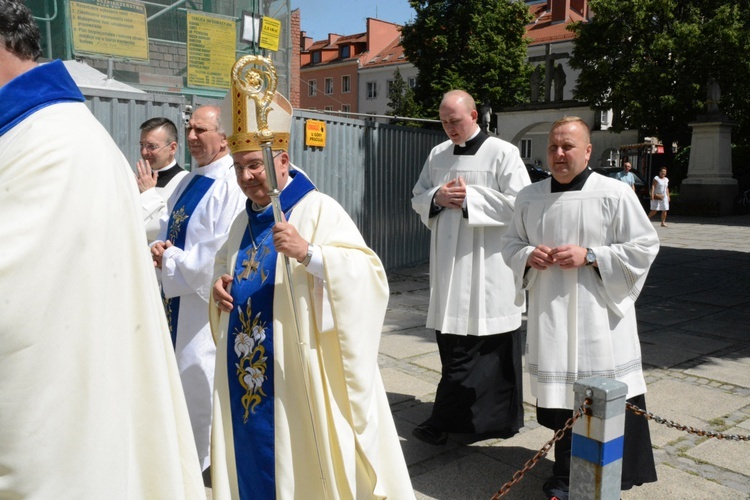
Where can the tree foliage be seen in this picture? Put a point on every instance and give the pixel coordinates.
(651, 61)
(474, 45)
(401, 99)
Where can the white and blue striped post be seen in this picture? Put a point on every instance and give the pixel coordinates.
(596, 455)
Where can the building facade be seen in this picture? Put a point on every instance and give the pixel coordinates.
(331, 69)
(376, 76)
(551, 86)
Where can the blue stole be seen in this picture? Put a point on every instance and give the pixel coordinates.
(38, 88)
(177, 232)
(250, 362)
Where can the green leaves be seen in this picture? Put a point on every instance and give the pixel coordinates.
(475, 45)
(651, 60)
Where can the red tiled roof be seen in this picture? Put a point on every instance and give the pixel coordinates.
(359, 37)
(320, 44)
(541, 29)
(392, 54)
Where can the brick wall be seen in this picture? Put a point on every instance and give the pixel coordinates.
(294, 81)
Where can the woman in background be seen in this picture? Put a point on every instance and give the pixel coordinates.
(660, 196)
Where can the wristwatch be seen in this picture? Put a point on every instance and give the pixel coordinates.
(309, 255)
(590, 257)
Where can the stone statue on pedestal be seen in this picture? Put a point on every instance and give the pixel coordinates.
(713, 96)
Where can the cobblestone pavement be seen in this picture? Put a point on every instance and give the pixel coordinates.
(694, 324)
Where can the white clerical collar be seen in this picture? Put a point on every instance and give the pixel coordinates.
(164, 169)
(476, 133)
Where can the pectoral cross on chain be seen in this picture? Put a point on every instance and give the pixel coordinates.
(250, 265)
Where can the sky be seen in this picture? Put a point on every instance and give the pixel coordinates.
(347, 17)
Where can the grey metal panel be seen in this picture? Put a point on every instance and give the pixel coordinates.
(370, 169)
(394, 229)
(338, 169)
(122, 113)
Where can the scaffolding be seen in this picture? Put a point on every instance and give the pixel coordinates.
(166, 68)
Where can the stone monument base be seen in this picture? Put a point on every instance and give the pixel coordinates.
(712, 197)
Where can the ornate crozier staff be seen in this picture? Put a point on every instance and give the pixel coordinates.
(255, 76)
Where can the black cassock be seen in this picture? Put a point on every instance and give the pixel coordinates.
(480, 391)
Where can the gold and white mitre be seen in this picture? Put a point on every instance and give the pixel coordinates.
(259, 113)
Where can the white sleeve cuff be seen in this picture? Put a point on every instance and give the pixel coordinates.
(315, 267)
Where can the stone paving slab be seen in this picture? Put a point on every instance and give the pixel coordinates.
(475, 476)
(415, 299)
(672, 311)
(405, 285)
(429, 361)
(400, 386)
(665, 356)
(683, 340)
(677, 400)
(731, 455)
(670, 347)
(689, 405)
(723, 296)
(719, 324)
(675, 484)
(402, 319)
(676, 288)
(403, 344)
(731, 372)
(740, 355)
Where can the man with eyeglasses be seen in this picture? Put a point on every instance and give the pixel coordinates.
(158, 173)
(300, 405)
(199, 215)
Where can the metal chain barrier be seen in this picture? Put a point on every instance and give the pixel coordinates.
(531, 463)
(686, 428)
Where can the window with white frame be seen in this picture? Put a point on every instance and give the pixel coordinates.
(346, 108)
(346, 84)
(329, 86)
(525, 147)
(412, 82)
(312, 88)
(372, 90)
(328, 108)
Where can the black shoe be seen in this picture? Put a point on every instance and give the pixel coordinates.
(430, 435)
(555, 489)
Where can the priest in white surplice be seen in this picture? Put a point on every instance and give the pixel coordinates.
(157, 172)
(199, 214)
(91, 405)
(465, 195)
(581, 244)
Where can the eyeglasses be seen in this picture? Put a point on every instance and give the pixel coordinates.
(152, 147)
(254, 167)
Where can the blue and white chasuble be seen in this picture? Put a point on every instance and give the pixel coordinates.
(177, 232)
(250, 362)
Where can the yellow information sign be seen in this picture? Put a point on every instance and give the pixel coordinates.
(270, 32)
(210, 50)
(116, 29)
(315, 133)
